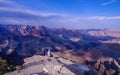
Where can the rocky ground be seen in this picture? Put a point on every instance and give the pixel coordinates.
(44, 65)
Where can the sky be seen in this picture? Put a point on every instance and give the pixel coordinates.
(79, 14)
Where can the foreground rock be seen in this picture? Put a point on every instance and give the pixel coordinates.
(108, 66)
(43, 65)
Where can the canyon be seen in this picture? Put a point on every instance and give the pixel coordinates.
(96, 48)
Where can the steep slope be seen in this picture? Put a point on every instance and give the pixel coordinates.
(21, 41)
(108, 66)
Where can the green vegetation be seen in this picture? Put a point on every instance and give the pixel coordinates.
(5, 66)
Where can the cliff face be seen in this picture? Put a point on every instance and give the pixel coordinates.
(21, 41)
(102, 33)
(44, 65)
(112, 36)
(108, 66)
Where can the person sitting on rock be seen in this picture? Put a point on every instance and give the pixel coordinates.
(49, 53)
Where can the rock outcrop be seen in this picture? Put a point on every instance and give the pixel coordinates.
(107, 66)
(44, 65)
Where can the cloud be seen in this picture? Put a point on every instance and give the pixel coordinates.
(10, 15)
(15, 15)
(25, 12)
(10, 3)
(110, 2)
(105, 18)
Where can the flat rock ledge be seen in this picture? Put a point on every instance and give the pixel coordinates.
(44, 65)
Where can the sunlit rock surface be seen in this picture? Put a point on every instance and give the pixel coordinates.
(44, 65)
